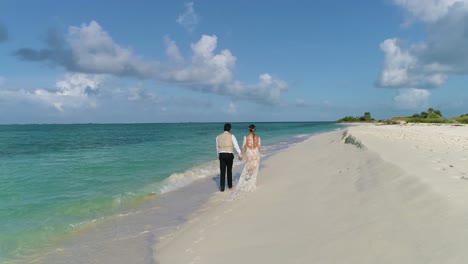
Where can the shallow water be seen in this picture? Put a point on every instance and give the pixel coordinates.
(57, 179)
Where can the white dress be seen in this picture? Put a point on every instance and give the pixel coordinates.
(248, 179)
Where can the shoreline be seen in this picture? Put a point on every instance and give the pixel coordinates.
(324, 201)
(318, 201)
(128, 237)
(108, 241)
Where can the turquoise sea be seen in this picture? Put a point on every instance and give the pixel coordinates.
(57, 178)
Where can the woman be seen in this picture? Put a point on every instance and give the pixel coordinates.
(251, 147)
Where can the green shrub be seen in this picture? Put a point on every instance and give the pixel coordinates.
(365, 118)
(462, 119)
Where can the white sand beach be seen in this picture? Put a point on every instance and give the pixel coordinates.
(400, 198)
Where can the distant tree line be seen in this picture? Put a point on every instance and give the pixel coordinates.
(365, 118)
(431, 113)
(430, 116)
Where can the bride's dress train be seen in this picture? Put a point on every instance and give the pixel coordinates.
(248, 179)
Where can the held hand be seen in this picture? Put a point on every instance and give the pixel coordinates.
(240, 157)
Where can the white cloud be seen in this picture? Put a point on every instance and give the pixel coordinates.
(95, 51)
(74, 91)
(428, 63)
(212, 72)
(412, 99)
(81, 93)
(269, 87)
(89, 49)
(431, 10)
(189, 19)
(402, 68)
(172, 51)
(206, 68)
(397, 63)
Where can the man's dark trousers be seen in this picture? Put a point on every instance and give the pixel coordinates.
(225, 163)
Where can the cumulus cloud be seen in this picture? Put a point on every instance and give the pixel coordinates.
(206, 68)
(80, 93)
(3, 32)
(89, 49)
(412, 99)
(430, 10)
(212, 72)
(172, 51)
(404, 68)
(72, 92)
(429, 63)
(189, 19)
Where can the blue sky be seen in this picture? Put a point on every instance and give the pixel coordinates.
(215, 61)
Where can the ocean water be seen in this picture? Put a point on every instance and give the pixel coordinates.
(55, 179)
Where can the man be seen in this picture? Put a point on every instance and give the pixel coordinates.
(224, 146)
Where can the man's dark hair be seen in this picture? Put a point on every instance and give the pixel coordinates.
(227, 127)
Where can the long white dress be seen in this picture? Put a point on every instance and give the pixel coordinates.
(248, 179)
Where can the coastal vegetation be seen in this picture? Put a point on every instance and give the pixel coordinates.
(352, 119)
(430, 116)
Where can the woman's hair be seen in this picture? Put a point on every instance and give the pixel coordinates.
(252, 130)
